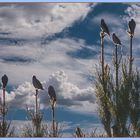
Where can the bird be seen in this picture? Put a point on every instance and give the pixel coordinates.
(116, 40)
(131, 26)
(52, 95)
(104, 27)
(4, 80)
(36, 83)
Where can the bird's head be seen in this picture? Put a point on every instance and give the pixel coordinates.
(102, 20)
(4, 76)
(113, 34)
(34, 77)
(50, 87)
(51, 90)
(132, 20)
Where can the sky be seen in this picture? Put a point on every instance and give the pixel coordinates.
(60, 44)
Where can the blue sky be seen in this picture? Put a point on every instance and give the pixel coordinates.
(60, 44)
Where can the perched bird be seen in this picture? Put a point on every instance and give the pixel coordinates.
(4, 80)
(131, 26)
(36, 83)
(116, 40)
(52, 95)
(104, 27)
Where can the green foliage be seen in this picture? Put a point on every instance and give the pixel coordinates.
(79, 133)
(103, 94)
(135, 104)
(5, 129)
(56, 131)
(38, 129)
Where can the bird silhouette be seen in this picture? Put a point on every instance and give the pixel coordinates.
(52, 95)
(36, 83)
(116, 40)
(4, 80)
(131, 26)
(104, 27)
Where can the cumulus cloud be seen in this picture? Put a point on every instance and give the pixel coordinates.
(34, 20)
(68, 95)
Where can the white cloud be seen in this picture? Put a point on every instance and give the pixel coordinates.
(32, 58)
(34, 20)
(68, 94)
(9, 97)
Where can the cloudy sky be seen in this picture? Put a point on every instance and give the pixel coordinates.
(60, 44)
